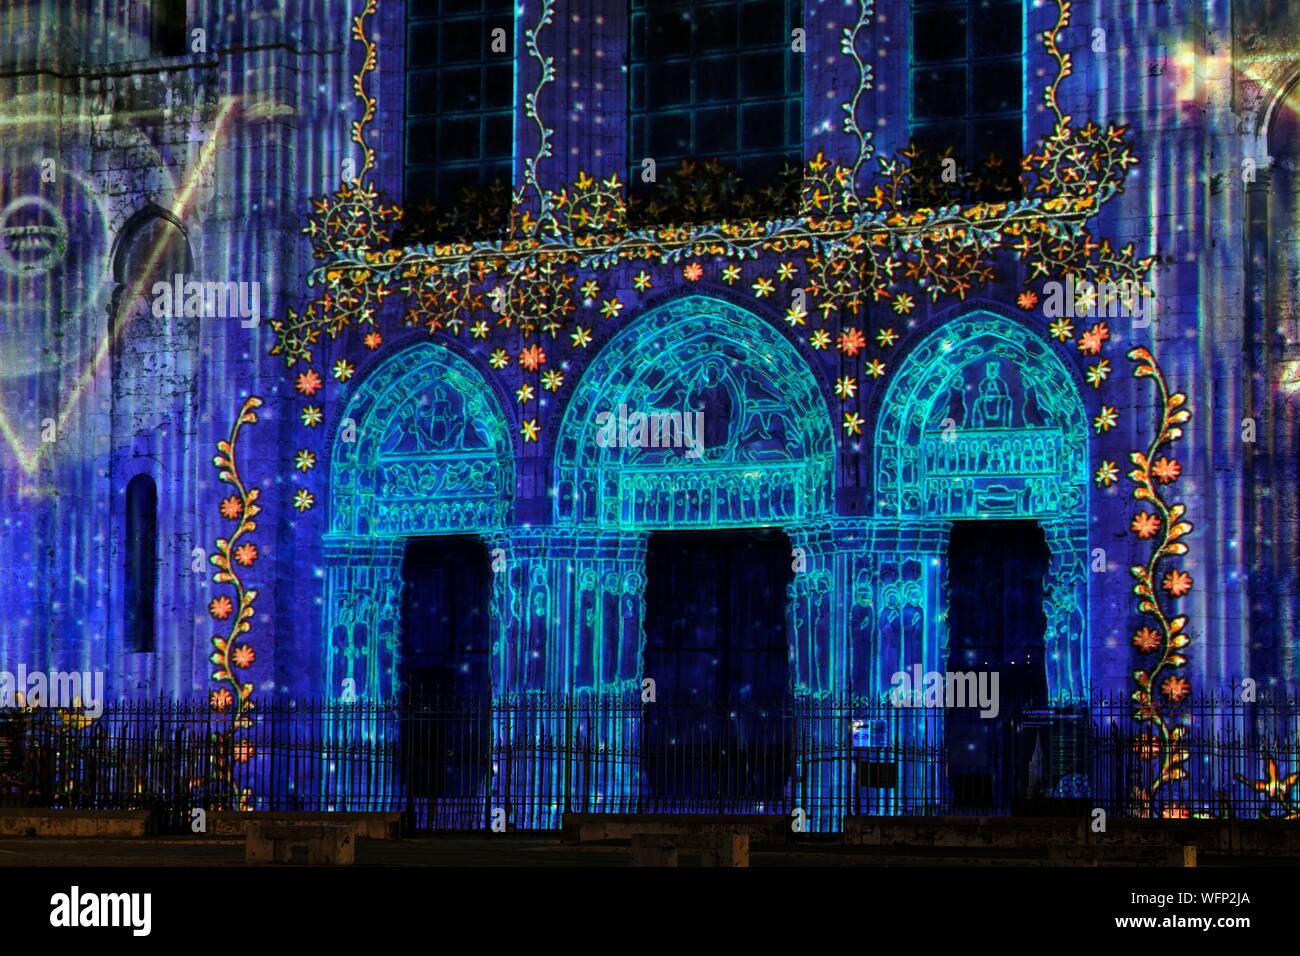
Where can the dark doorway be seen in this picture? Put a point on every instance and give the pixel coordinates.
(447, 589)
(718, 650)
(445, 676)
(996, 625)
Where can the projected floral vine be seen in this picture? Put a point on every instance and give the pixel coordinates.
(545, 75)
(1160, 684)
(368, 104)
(849, 47)
(230, 654)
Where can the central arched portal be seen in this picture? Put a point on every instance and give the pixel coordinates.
(701, 421)
(698, 449)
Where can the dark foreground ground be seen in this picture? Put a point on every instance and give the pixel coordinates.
(511, 851)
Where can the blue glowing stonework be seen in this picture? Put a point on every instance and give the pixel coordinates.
(954, 408)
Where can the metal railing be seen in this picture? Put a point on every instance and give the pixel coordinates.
(452, 764)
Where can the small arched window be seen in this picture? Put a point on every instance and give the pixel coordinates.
(141, 563)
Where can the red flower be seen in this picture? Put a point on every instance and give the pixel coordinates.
(1177, 583)
(243, 656)
(851, 341)
(532, 358)
(1166, 469)
(1091, 340)
(231, 508)
(246, 554)
(1146, 639)
(220, 700)
(1145, 524)
(1175, 688)
(221, 608)
(308, 383)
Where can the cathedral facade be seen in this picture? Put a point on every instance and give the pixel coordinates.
(805, 344)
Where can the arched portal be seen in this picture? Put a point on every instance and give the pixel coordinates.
(423, 450)
(984, 420)
(698, 415)
(696, 453)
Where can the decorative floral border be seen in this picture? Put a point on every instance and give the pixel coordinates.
(1165, 636)
(231, 655)
(844, 250)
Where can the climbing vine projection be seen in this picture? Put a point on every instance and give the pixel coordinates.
(519, 302)
(1163, 638)
(231, 655)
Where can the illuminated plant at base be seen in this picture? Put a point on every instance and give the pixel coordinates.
(231, 655)
(1165, 636)
(1279, 790)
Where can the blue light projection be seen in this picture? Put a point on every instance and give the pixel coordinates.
(984, 420)
(867, 374)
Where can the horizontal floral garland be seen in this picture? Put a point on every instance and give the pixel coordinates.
(521, 297)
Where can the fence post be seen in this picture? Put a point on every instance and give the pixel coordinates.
(568, 750)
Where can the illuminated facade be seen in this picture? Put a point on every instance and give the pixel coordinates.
(459, 393)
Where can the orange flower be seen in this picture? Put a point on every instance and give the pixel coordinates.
(1175, 688)
(1145, 524)
(1177, 583)
(532, 358)
(1027, 300)
(221, 608)
(308, 383)
(693, 272)
(1147, 746)
(1091, 340)
(373, 340)
(1166, 469)
(1146, 639)
(220, 700)
(243, 656)
(231, 508)
(246, 554)
(851, 341)
(243, 751)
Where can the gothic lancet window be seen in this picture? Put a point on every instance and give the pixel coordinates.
(141, 563)
(460, 117)
(167, 19)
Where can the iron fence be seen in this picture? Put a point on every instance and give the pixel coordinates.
(460, 764)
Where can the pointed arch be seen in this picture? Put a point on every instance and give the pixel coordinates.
(982, 418)
(424, 449)
(763, 449)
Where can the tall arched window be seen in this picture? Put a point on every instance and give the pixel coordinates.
(141, 563)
